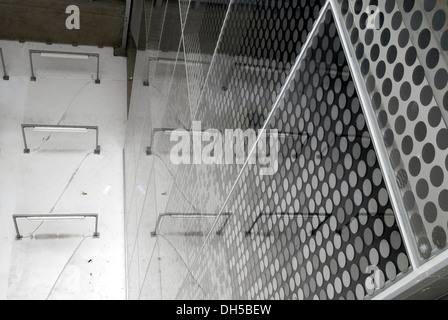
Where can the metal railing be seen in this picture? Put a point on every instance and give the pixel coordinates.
(60, 128)
(54, 217)
(64, 54)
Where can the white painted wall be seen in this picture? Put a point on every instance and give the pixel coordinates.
(62, 260)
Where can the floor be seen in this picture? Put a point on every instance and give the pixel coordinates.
(61, 175)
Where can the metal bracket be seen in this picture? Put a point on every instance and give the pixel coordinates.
(190, 216)
(62, 53)
(5, 75)
(54, 217)
(62, 129)
(149, 150)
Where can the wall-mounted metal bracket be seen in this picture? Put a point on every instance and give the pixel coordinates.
(54, 217)
(5, 74)
(60, 128)
(64, 54)
(174, 62)
(190, 216)
(149, 150)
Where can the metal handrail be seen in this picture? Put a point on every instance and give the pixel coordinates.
(53, 217)
(95, 55)
(24, 126)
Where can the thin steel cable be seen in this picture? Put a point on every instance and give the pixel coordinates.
(184, 262)
(64, 115)
(62, 193)
(175, 184)
(65, 266)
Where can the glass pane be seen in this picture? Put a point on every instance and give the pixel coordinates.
(320, 224)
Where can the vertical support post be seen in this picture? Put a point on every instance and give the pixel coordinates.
(98, 147)
(97, 80)
(5, 74)
(26, 150)
(96, 234)
(18, 236)
(33, 77)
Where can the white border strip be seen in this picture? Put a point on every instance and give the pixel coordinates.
(417, 279)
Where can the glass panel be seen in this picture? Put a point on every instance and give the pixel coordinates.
(321, 225)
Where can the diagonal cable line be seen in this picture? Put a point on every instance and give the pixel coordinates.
(62, 193)
(65, 266)
(185, 263)
(176, 185)
(64, 115)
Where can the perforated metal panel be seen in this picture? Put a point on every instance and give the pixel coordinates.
(312, 230)
(404, 67)
(323, 225)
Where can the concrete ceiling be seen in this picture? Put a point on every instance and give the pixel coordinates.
(101, 21)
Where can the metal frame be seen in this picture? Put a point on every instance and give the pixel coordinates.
(189, 216)
(423, 274)
(94, 55)
(418, 280)
(149, 149)
(5, 74)
(54, 217)
(24, 126)
(377, 139)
